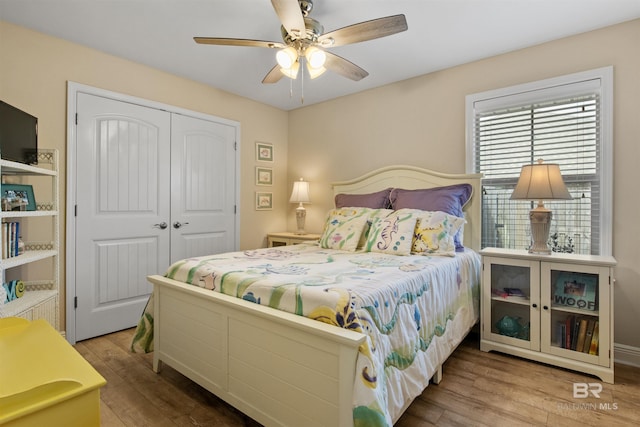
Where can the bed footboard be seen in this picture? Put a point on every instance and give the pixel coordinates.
(278, 368)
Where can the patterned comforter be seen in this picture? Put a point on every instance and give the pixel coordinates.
(413, 309)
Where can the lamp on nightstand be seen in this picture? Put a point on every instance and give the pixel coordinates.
(300, 194)
(541, 181)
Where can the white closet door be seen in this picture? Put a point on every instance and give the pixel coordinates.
(203, 174)
(123, 183)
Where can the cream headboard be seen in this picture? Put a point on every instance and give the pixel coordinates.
(412, 178)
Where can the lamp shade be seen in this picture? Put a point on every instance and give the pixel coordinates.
(541, 181)
(300, 193)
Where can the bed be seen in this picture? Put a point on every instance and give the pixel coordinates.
(279, 357)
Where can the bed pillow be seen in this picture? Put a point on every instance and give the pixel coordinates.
(449, 199)
(343, 232)
(392, 234)
(434, 233)
(377, 200)
(356, 211)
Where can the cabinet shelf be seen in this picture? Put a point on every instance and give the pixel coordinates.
(27, 214)
(27, 257)
(512, 300)
(14, 168)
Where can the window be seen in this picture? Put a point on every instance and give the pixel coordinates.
(566, 120)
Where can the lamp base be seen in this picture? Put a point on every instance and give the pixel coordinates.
(540, 218)
(301, 214)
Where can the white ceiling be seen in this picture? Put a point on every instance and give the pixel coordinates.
(441, 34)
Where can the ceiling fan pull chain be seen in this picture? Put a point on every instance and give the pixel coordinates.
(290, 88)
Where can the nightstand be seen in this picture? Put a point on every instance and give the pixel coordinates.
(286, 238)
(555, 309)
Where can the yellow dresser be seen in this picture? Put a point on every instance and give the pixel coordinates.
(43, 380)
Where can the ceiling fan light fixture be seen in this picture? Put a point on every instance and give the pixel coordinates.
(287, 57)
(315, 57)
(292, 71)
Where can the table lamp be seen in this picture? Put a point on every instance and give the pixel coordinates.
(300, 194)
(541, 181)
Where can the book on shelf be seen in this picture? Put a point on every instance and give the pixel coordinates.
(593, 349)
(10, 239)
(589, 335)
(515, 292)
(582, 334)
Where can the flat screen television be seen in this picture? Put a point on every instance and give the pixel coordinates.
(18, 135)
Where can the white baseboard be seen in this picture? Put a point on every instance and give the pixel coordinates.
(626, 355)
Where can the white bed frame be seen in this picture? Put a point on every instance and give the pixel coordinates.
(276, 367)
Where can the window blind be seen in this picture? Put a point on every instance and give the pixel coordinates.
(566, 131)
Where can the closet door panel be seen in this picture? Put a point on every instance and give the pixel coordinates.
(203, 173)
(121, 193)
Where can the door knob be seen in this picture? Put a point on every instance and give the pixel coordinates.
(161, 226)
(178, 224)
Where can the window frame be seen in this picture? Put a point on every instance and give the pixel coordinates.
(553, 88)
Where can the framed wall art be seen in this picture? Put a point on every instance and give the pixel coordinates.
(264, 176)
(264, 201)
(264, 152)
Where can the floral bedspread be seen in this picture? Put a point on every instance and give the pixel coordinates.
(414, 309)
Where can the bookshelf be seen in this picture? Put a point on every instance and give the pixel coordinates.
(555, 309)
(41, 297)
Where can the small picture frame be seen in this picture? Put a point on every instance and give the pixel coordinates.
(264, 152)
(18, 197)
(264, 201)
(264, 176)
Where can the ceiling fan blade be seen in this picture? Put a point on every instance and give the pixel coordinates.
(364, 31)
(273, 76)
(221, 41)
(290, 16)
(344, 67)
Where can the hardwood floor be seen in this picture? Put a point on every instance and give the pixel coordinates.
(478, 389)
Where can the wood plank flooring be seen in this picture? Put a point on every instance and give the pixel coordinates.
(478, 389)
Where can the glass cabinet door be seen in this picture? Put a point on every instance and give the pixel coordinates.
(574, 298)
(511, 301)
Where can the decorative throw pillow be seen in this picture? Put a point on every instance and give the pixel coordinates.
(358, 211)
(434, 233)
(450, 199)
(343, 232)
(391, 234)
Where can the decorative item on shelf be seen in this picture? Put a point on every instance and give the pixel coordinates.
(511, 327)
(18, 197)
(576, 290)
(300, 194)
(13, 289)
(541, 181)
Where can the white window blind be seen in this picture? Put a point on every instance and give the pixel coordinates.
(561, 124)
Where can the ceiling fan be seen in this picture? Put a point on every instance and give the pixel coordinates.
(304, 41)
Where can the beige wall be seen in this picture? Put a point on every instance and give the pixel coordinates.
(421, 122)
(418, 121)
(34, 70)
